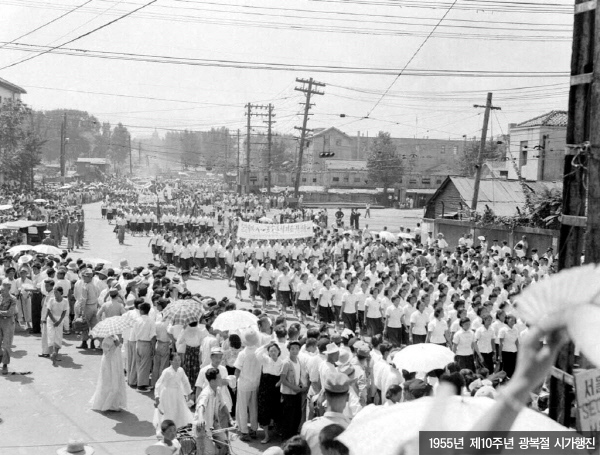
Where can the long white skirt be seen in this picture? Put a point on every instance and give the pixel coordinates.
(111, 391)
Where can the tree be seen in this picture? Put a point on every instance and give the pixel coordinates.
(20, 144)
(120, 145)
(384, 165)
(467, 162)
(190, 149)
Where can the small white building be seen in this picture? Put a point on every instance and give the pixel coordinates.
(537, 147)
(10, 91)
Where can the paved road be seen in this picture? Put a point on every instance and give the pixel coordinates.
(40, 411)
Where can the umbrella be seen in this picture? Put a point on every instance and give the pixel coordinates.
(459, 414)
(112, 326)
(47, 249)
(405, 235)
(234, 320)
(40, 201)
(182, 312)
(65, 187)
(265, 219)
(6, 207)
(97, 261)
(19, 249)
(423, 357)
(387, 235)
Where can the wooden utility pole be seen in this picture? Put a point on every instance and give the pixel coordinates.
(249, 114)
(269, 123)
(130, 160)
(63, 145)
(581, 184)
(309, 91)
(239, 182)
(486, 119)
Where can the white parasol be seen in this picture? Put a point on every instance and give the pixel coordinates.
(97, 261)
(387, 235)
(423, 357)
(405, 235)
(47, 249)
(265, 219)
(40, 201)
(6, 207)
(19, 249)
(234, 320)
(459, 414)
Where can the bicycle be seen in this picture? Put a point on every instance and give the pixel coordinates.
(186, 438)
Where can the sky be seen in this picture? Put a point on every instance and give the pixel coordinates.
(414, 68)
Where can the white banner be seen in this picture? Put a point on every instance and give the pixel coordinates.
(275, 231)
(147, 199)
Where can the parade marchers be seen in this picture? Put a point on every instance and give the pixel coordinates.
(367, 298)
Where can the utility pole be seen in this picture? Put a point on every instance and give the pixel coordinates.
(249, 114)
(580, 219)
(239, 183)
(139, 152)
(63, 145)
(130, 161)
(269, 123)
(486, 118)
(309, 91)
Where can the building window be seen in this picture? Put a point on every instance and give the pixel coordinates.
(504, 174)
(523, 153)
(346, 179)
(455, 150)
(335, 179)
(356, 179)
(303, 179)
(400, 180)
(338, 142)
(438, 181)
(326, 141)
(412, 180)
(426, 180)
(443, 149)
(314, 180)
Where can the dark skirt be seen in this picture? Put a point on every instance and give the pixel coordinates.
(240, 284)
(349, 320)
(191, 363)
(466, 362)
(266, 292)
(269, 399)
(394, 336)
(417, 339)
(253, 288)
(212, 263)
(304, 307)
(509, 362)
(286, 298)
(325, 314)
(374, 326)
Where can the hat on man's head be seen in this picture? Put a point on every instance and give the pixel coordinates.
(347, 334)
(336, 383)
(25, 259)
(87, 272)
(332, 348)
(145, 273)
(102, 271)
(216, 351)
(250, 337)
(362, 349)
(76, 447)
(345, 356)
(123, 263)
(73, 266)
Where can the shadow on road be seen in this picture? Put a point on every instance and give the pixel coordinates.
(129, 424)
(18, 354)
(68, 362)
(21, 378)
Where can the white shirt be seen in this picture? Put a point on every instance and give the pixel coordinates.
(509, 338)
(464, 342)
(437, 328)
(485, 339)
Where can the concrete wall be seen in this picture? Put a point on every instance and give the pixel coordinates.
(541, 239)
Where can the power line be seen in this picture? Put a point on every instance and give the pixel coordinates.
(48, 23)
(80, 36)
(413, 57)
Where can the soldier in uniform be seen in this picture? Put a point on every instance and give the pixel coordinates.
(48, 240)
(80, 229)
(337, 386)
(72, 234)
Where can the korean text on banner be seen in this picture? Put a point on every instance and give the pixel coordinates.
(587, 389)
(258, 231)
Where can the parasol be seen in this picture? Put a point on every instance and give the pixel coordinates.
(183, 312)
(19, 249)
(423, 357)
(265, 219)
(405, 235)
(387, 235)
(40, 201)
(97, 261)
(235, 320)
(112, 326)
(6, 207)
(459, 414)
(47, 249)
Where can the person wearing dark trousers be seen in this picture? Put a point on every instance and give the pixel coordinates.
(145, 335)
(292, 391)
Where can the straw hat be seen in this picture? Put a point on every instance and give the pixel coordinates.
(76, 447)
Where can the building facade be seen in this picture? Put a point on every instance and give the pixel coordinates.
(10, 91)
(537, 147)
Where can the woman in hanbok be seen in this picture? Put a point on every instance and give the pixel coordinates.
(57, 309)
(110, 394)
(171, 394)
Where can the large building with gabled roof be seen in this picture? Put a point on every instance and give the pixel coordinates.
(10, 91)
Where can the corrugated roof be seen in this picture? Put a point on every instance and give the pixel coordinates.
(502, 196)
(552, 118)
(11, 86)
(91, 160)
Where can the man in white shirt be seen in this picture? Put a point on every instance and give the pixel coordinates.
(145, 335)
(247, 371)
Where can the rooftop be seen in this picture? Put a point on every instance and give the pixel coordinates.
(10, 86)
(552, 118)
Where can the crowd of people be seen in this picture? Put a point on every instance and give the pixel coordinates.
(359, 298)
